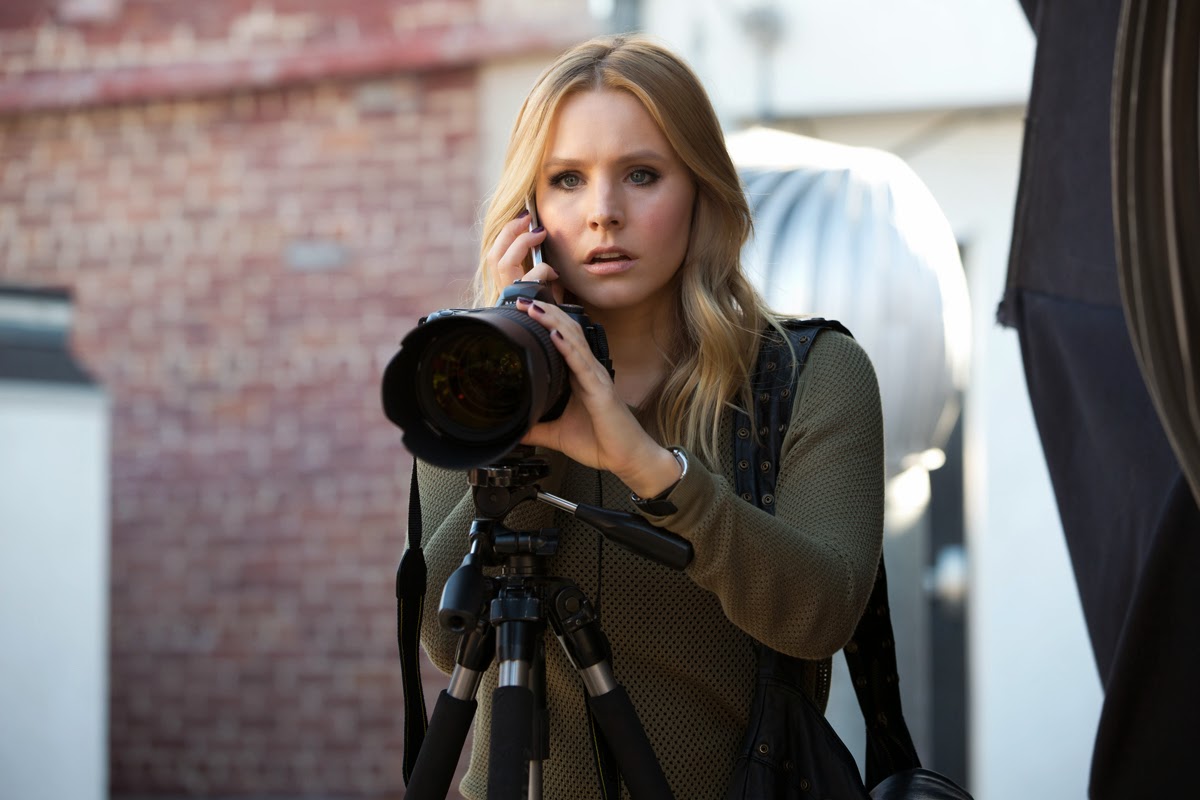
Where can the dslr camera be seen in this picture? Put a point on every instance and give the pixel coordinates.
(468, 384)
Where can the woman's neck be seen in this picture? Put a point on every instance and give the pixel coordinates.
(636, 345)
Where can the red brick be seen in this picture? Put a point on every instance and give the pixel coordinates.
(258, 493)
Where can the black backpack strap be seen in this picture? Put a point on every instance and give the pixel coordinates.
(870, 654)
(871, 659)
(756, 445)
(410, 605)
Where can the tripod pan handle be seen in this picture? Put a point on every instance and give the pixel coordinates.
(634, 533)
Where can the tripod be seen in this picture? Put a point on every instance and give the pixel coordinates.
(503, 618)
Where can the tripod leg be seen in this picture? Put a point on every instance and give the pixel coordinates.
(452, 717)
(540, 735)
(518, 624)
(586, 645)
(631, 748)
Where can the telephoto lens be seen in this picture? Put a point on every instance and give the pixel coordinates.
(468, 384)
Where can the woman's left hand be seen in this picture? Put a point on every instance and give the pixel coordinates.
(597, 428)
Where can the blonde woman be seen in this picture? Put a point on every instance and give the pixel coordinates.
(642, 220)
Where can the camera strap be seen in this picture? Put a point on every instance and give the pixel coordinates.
(410, 605)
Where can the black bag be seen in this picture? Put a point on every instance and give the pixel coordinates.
(790, 750)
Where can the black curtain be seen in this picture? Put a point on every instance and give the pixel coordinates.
(1098, 292)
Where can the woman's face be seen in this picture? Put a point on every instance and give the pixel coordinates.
(616, 202)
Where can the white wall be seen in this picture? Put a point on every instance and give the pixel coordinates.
(1035, 689)
(503, 86)
(850, 56)
(54, 556)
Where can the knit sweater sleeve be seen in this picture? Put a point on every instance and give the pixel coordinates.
(798, 581)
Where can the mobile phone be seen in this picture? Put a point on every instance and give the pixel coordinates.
(533, 223)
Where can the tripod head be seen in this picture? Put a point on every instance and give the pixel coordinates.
(497, 489)
(500, 487)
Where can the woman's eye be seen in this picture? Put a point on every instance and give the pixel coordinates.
(642, 176)
(567, 180)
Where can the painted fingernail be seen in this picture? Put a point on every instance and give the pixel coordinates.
(538, 229)
(538, 307)
(523, 214)
(523, 301)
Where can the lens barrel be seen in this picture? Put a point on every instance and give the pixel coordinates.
(467, 385)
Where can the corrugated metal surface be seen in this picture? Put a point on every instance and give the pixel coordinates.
(852, 234)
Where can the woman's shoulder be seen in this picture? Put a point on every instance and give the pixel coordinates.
(837, 365)
(832, 341)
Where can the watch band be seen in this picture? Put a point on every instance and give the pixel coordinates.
(659, 505)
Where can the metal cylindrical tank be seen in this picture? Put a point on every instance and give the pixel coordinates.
(851, 233)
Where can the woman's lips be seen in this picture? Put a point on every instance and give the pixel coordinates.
(609, 266)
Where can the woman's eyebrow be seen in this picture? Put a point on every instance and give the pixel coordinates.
(562, 162)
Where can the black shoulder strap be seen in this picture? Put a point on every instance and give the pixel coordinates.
(410, 605)
(870, 654)
(756, 445)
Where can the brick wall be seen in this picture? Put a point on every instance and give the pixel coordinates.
(244, 260)
(61, 35)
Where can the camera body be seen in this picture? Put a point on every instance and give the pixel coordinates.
(469, 383)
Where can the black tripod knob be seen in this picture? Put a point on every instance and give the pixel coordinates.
(463, 596)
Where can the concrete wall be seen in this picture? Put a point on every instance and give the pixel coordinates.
(54, 556)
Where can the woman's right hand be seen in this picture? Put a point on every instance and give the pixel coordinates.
(506, 258)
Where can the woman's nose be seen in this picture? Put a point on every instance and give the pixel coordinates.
(607, 211)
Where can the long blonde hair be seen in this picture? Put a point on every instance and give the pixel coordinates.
(721, 317)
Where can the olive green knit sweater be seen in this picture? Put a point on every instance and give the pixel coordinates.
(681, 642)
